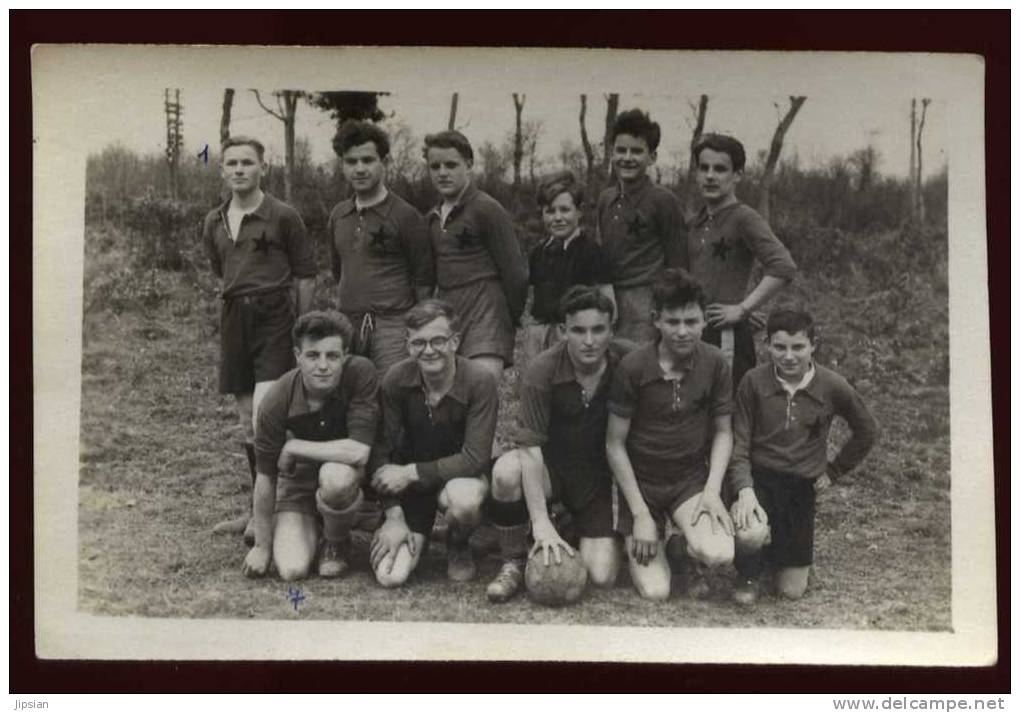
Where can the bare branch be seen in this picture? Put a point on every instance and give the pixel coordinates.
(258, 98)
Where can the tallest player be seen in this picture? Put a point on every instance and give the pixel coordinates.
(259, 248)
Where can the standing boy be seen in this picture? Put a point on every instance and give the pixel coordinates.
(668, 439)
(566, 257)
(315, 432)
(783, 413)
(439, 414)
(379, 248)
(480, 269)
(640, 224)
(258, 246)
(724, 240)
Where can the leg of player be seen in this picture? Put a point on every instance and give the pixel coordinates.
(394, 569)
(461, 500)
(748, 543)
(601, 557)
(792, 581)
(509, 516)
(243, 523)
(295, 535)
(337, 500)
(651, 580)
(712, 546)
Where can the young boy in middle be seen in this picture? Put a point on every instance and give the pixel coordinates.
(640, 224)
(566, 257)
(669, 439)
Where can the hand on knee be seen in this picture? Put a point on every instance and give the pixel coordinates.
(750, 539)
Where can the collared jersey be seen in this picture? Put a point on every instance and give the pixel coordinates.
(671, 420)
(379, 254)
(722, 248)
(567, 422)
(477, 241)
(789, 434)
(452, 439)
(272, 248)
(641, 231)
(553, 269)
(350, 411)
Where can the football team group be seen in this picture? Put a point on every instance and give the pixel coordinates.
(646, 434)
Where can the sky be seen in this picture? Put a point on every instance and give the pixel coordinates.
(826, 127)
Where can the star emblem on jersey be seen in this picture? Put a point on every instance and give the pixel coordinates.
(464, 238)
(720, 249)
(702, 401)
(262, 244)
(815, 429)
(377, 239)
(632, 219)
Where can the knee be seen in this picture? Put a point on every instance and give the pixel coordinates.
(603, 574)
(791, 591)
(291, 572)
(712, 551)
(750, 539)
(464, 499)
(506, 478)
(338, 482)
(791, 584)
(656, 590)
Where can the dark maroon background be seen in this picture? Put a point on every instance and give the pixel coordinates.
(976, 32)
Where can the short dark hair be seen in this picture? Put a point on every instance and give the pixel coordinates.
(673, 288)
(637, 123)
(356, 133)
(550, 187)
(429, 310)
(723, 144)
(790, 321)
(449, 140)
(581, 297)
(319, 324)
(239, 140)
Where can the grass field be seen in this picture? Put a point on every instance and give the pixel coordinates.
(160, 464)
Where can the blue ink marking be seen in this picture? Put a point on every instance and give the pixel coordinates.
(295, 597)
(204, 154)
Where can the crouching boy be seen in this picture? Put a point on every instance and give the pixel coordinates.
(439, 415)
(783, 413)
(668, 439)
(316, 425)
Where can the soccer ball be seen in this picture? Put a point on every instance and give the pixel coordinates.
(555, 585)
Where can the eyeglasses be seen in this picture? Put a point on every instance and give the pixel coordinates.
(437, 343)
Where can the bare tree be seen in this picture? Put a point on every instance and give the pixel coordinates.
(286, 104)
(589, 152)
(452, 124)
(698, 113)
(518, 140)
(775, 148)
(913, 139)
(532, 133)
(612, 107)
(918, 193)
(228, 104)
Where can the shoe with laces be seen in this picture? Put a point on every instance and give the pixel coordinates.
(507, 583)
(745, 592)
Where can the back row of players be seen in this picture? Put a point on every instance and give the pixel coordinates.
(637, 338)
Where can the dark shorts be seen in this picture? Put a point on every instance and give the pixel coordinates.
(297, 493)
(255, 340)
(789, 502)
(634, 318)
(593, 514)
(380, 338)
(743, 348)
(662, 502)
(420, 509)
(485, 328)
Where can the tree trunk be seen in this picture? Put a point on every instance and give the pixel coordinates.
(290, 119)
(911, 202)
(228, 105)
(518, 141)
(775, 148)
(589, 152)
(690, 194)
(612, 106)
(452, 124)
(918, 193)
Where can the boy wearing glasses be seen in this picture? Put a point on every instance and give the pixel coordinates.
(669, 439)
(439, 419)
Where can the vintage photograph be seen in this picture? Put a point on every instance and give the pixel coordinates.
(517, 342)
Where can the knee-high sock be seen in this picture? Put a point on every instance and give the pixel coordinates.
(511, 523)
(336, 524)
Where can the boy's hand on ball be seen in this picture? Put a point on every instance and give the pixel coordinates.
(546, 540)
(256, 563)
